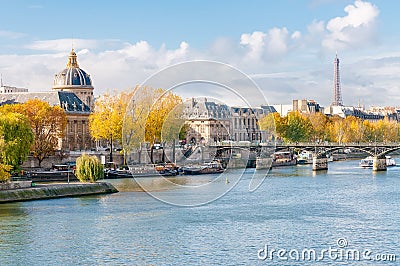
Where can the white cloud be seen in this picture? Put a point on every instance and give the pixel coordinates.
(277, 41)
(255, 43)
(355, 29)
(140, 51)
(174, 56)
(270, 45)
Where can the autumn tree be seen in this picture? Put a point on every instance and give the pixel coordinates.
(165, 113)
(368, 131)
(319, 123)
(334, 129)
(105, 123)
(386, 131)
(47, 124)
(17, 138)
(351, 127)
(154, 116)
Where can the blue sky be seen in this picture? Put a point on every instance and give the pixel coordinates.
(287, 46)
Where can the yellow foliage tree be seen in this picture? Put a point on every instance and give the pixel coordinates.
(166, 107)
(154, 116)
(386, 131)
(267, 122)
(105, 123)
(319, 123)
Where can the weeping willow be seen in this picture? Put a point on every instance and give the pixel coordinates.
(88, 168)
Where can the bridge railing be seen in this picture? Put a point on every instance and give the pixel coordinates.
(337, 144)
(306, 144)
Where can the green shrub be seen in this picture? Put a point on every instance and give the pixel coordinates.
(88, 168)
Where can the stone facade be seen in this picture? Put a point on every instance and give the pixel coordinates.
(214, 123)
(245, 123)
(209, 122)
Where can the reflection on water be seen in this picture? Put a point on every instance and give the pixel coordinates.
(11, 210)
(292, 209)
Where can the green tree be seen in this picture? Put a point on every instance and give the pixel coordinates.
(88, 168)
(17, 139)
(4, 169)
(298, 127)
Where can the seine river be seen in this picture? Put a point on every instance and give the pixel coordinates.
(346, 210)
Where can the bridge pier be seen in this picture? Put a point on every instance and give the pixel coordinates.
(379, 163)
(263, 163)
(319, 163)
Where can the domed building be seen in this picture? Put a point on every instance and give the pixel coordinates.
(73, 92)
(77, 84)
(76, 80)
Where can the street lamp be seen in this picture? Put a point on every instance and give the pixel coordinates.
(111, 149)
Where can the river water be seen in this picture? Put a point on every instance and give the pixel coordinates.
(345, 208)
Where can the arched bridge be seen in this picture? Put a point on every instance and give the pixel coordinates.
(320, 150)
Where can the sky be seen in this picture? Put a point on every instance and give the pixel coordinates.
(286, 47)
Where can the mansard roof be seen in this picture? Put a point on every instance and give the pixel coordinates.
(66, 100)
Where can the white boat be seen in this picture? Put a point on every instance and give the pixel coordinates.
(369, 162)
(305, 157)
(390, 161)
